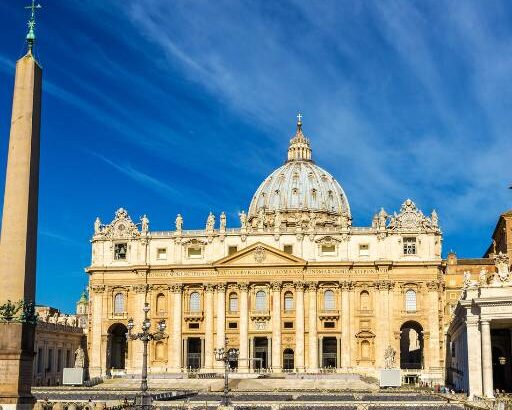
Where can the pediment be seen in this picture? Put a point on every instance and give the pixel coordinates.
(260, 254)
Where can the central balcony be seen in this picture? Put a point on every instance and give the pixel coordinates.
(331, 314)
(193, 316)
(260, 314)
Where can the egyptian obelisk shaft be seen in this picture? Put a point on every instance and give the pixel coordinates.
(18, 243)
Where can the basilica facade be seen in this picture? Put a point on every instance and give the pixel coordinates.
(295, 287)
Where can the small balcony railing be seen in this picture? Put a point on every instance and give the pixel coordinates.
(119, 315)
(365, 312)
(260, 314)
(329, 314)
(192, 316)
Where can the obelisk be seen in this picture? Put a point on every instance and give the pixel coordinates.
(18, 241)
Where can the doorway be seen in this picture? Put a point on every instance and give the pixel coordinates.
(260, 353)
(194, 353)
(117, 346)
(329, 352)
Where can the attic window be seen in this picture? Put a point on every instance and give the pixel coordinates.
(288, 249)
(232, 250)
(364, 249)
(161, 253)
(194, 252)
(328, 249)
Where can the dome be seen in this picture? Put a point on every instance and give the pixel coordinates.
(300, 190)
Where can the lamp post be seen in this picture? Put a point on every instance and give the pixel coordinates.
(226, 356)
(144, 399)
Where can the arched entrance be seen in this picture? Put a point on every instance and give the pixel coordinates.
(116, 346)
(411, 345)
(288, 359)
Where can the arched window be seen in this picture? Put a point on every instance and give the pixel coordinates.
(329, 302)
(365, 349)
(410, 301)
(119, 303)
(288, 301)
(261, 300)
(233, 302)
(194, 302)
(160, 303)
(364, 300)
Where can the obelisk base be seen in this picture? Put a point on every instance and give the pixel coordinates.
(16, 358)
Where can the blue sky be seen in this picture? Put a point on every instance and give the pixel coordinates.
(186, 106)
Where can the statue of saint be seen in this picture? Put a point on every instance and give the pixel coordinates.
(210, 222)
(434, 219)
(243, 219)
(483, 276)
(389, 357)
(79, 357)
(222, 221)
(383, 216)
(179, 222)
(467, 279)
(97, 225)
(261, 218)
(144, 223)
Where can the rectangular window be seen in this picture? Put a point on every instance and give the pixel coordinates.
(161, 253)
(232, 325)
(329, 325)
(194, 252)
(233, 303)
(193, 325)
(39, 360)
(288, 249)
(288, 325)
(59, 360)
(120, 250)
(328, 249)
(364, 249)
(232, 250)
(68, 358)
(49, 363)
(409, 246)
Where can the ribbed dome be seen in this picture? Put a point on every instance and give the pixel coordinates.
(300, 186)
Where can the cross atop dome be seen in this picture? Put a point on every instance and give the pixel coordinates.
(299, 149)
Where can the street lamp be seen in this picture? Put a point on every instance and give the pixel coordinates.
(144, 399)
(226, 356)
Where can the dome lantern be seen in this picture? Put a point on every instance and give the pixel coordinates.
(299, 148)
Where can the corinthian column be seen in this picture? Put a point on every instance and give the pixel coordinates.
(433, 321)
(176, 328)
(244, 326)
(97, 356)
(208, 327)
(313, 336)
(221, 320)
(276, 327)
(299, 326)
(486, 358)
(345, 324)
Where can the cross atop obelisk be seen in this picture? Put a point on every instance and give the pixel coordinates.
(18, 242)
(31, 35)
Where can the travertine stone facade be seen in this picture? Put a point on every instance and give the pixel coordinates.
(296, 287)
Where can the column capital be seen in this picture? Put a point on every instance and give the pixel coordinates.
(176, 287)
(221, 287)
(97, 288)
(276, 286)
(347, 285)
(209, 287)
(299, 285)
(312, 286)
(243, 286)
(141, 288)
(433, 285)
(485, 322)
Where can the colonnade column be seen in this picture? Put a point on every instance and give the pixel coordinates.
(299, 326)
(244, 326)
(208, 327)
(276, 327)
(176, 327)
(433, 309)
(96, 368)
(221, 321)
(345, 324)
(474, 357)
(486, 358)
(313, 336)
(138, 317)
